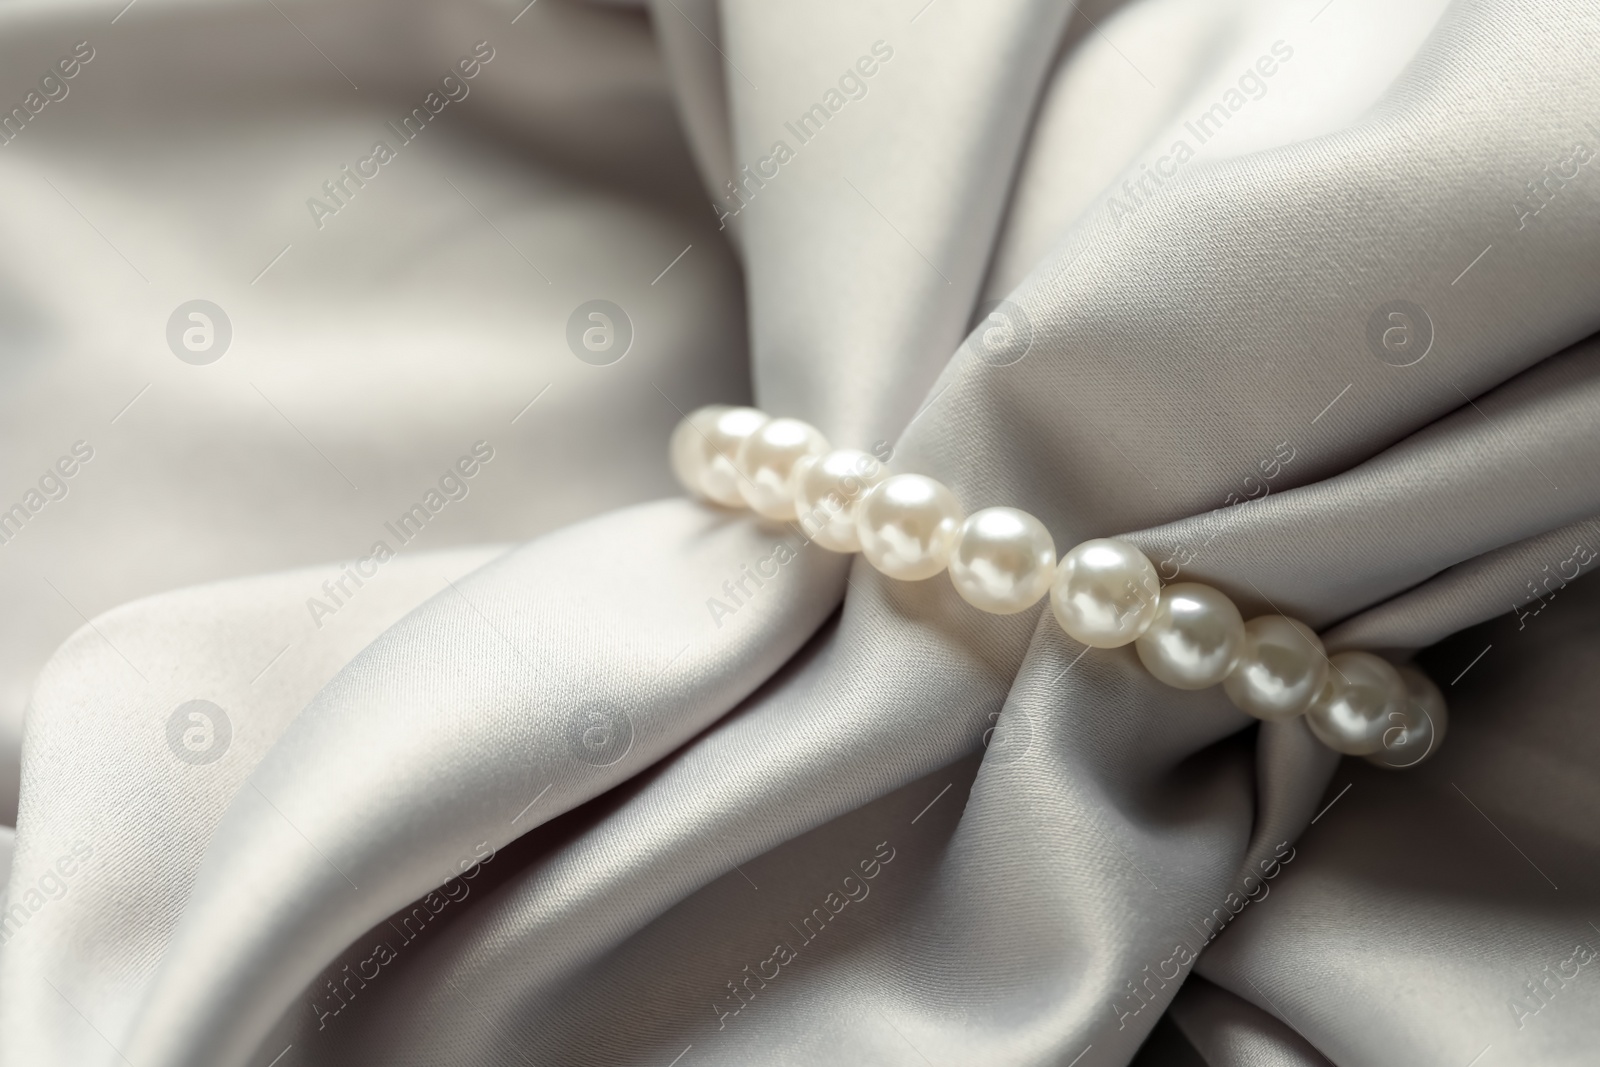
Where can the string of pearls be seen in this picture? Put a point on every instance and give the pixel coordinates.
(1105, 593)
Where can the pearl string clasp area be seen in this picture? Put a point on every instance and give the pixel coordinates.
(1104, 592)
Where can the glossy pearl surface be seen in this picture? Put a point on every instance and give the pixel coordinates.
(908, 525)
(1417, 732)
(725, 435)
(1280, 670)
(767, 461)
(828, 490)
(1357, 703)
(1105, 593)
(1003, 561)
(1195, 638)
(690, 448)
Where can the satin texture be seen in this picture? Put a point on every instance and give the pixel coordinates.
(663, 784)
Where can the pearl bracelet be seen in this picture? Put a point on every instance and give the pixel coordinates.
(1105, 593)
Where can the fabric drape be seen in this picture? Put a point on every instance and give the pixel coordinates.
(555, 810)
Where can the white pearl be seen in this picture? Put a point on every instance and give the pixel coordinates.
(828, 490)
(767, 461)
(1195, 638)
(725, 433)
(1003, 560)
(1105, 593)
(1357, 703)
(1281, 668)
(690, 448)
(907, 525)
(1420, 728)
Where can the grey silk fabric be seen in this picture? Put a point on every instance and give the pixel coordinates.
(1298, 297)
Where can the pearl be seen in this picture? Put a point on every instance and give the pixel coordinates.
(907, 525)
(828, 491)
(1003, 560)
(1281, 668)
(725, 433)
(1419, 730)
(1105, 593)
(1357, 703)
(690, 448)
(1195, 638)
(767, 461)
